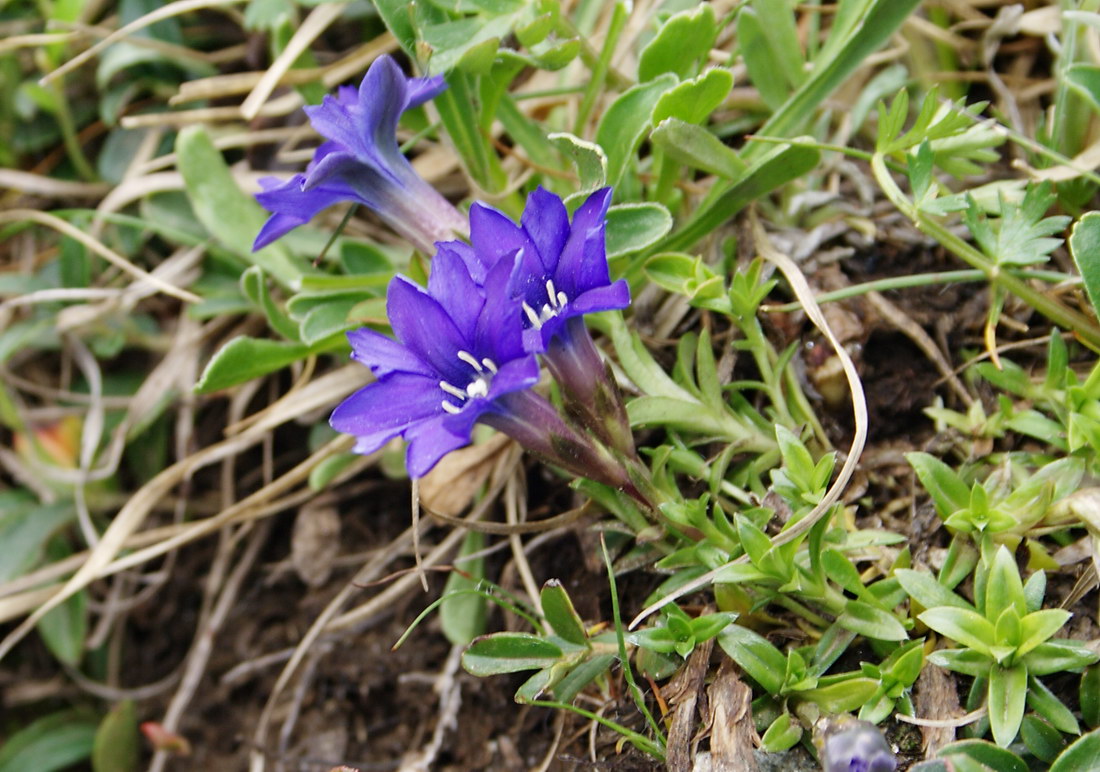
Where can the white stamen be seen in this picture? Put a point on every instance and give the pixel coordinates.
(550, 290)
(469, 359)
(536, 322)
(478, 388)
(562, 299)
(490, 365)
(452, 409)
(454, 391)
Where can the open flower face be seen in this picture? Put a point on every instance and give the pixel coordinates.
(562, 268)
(455, 358)
(362, 162)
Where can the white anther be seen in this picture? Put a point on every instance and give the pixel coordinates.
(490, 365)
(536, 322)
(550, 293)
(469, 359)
(562, 299)
(454, 391)
(452, 409)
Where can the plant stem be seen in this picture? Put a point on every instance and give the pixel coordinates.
(599, 71)
(1062, 316)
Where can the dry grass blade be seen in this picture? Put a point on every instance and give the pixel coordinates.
(63, 227)
(41, 185)
(166, 12)
(805, 295)
(319, 19)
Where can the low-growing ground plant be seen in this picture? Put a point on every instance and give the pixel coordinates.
(508, 384)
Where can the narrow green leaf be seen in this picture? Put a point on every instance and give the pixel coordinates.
(226, 211)
(871, 622)
(965, 661)
(626, 121)
(782, 734)
(770, 169)
(1081, 756)
(949, 493)
(842, 696)
(761, 60)
(462, 615)
(559, 612)
(696, 147)
(1046, 703)
(755, 655)
(116, 747)
(53, 742)
(1041, 739)
(1089, 694)
(986, 753)
(509, 653)
(1084, 244)
(25, 529)
(1039, 626)
(244, 358)
(1059, 654)
(1006, 701)
(963, 625)
(1003, 588)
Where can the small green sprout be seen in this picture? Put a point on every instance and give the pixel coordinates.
(1006, 640)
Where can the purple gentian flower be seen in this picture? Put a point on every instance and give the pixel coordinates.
(560, 275)
(459, 359)
(851, 745)
(563, 271)
(362, 162)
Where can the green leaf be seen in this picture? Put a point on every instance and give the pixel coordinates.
(782, 734)
(25, 529)
(231, 215)
(1059, 654)
(696, 147)
(761, 60)
(64, 628)
(1089, 694)
(582, 675)
(1007, 699)
(841, 571)
(244, 358)
(949, 493)
(858, 30)
(1081, 756)
(1039, 626)
(255, 289)
(842, 696)
(1021, 235)
(633, 227)
(626, 121)
(755, 655)
(987, 753)
(509, 653)
(694, 100)
(559, 612)
(965, 661)
(1044, 702)
(1084, 245)
(52, 742)
(871, 622)
(116, 747)
(462, 614)
(770, 169)
(683, 40)
(1003, 588)
(963, 625)
(588, 158)
(1042, 740)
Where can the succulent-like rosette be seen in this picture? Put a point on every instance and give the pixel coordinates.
(362, 162)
